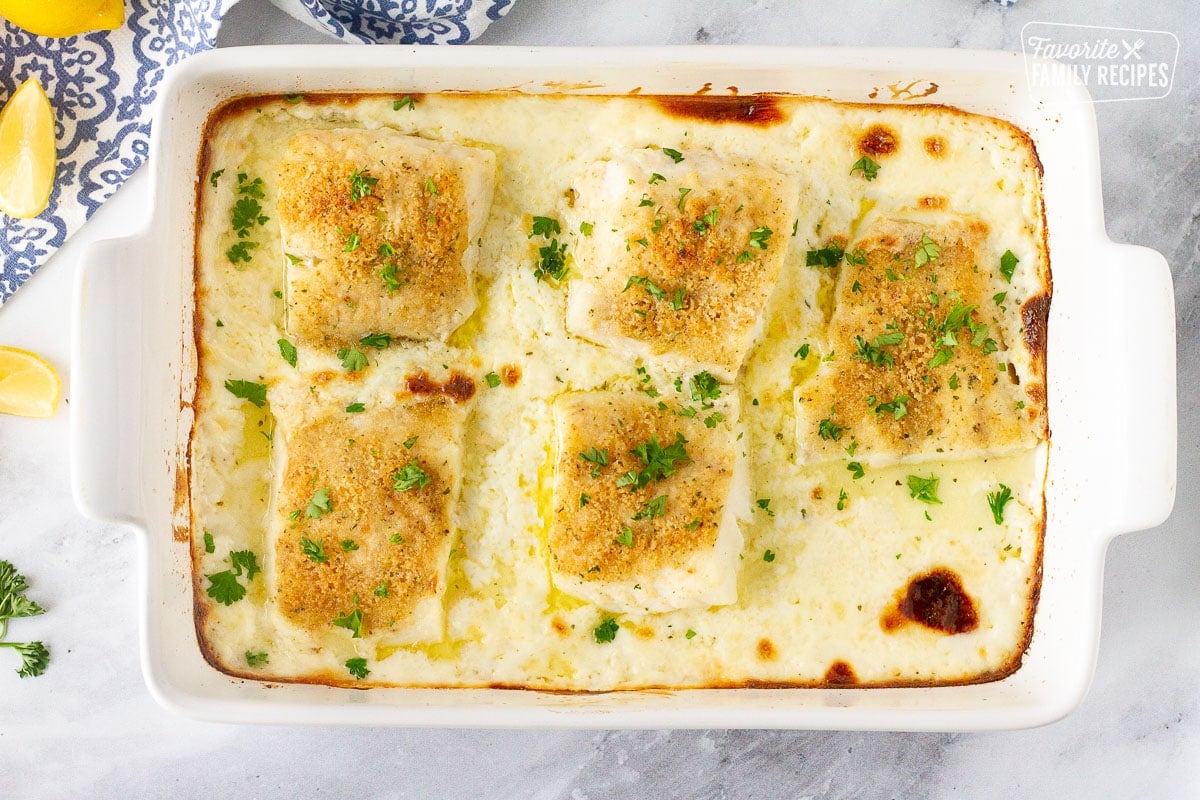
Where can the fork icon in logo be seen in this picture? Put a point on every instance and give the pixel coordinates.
(1133, 49)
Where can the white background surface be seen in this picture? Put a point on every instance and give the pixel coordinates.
(88, 728)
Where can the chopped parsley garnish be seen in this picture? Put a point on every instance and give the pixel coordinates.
(828, 256)
(830, 431)
(355, 408)
(214, 177)
(584, 499)
(544, 227)
(293, 99)
(765, 504)
(255, 393)
(410, 441)
(224, 587)
(873, 352)
(382, 590)
(857, 256)
(597, 457)
(606, 631)
(655, 178)
(691, 634)
(655, 508)
(493, 380)
(240, 252)
(319, 504)
(209, 545)
(352, 621)
(361, 185)
(842, 500)
(704, 388)
(999, 298)
(292, 258)
(802, 352)
(625, 537)
(552, 261)
(315, 551)
(353, 242)
(759, 236)
(358, 667)
(898, 407)
(288, 351)
(256, 659)
(431, 187)
(868, 166)
(683, 193)
(352, 358)
(245, 214)
(396, 538)
(768, 556)
(391, 276)
(404, 102)
(658, 462)
(927, 251)
(997, 500)
(646, 201)
(349, 545)
(856, 469)
(714, 419)
(377, 340)
(924, 489)
(586, 228)
(675, 155)
(412, 476)
(1008, 265)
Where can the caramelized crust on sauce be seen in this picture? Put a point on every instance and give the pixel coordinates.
(372, 534)
(394, 260)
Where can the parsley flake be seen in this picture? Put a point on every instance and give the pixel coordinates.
(358, 667)
(255, 393)
(997, 500)
(606, 631)
(924, 489)
(412, 476)
(868, 166)
(288, 351)
(352, 621)
(319, 504)
(361, 185)
(675, 155)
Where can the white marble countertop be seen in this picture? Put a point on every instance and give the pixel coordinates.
(88, 728)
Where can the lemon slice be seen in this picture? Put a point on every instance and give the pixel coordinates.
(63, 17)
(27, 154)
(29, 386)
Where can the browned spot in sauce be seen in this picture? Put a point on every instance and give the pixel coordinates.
(878, 141)
(840, 674)
(1034, 315)
(752, 109)
(510, 374)
(935, 146)
(818, 492)
(323, 377)
(766, 650)
(936, 600)
(560, 627)
(873, 93)
(643, 632)
(458, 387)
(909, 91)
(933, 201)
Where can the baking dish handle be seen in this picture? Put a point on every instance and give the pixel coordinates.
(1142, 309)
(106, 366)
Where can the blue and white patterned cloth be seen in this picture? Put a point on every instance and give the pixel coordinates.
(102, 86)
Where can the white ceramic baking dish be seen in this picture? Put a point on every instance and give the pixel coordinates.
(1111, 382)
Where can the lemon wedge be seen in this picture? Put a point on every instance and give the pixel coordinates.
(29, 386)
(27, 154)
(63, 17)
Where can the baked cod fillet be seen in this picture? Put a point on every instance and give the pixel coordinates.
(362, 517)
(682, 256)
(379, 232)
(646, 503)
(934, 354)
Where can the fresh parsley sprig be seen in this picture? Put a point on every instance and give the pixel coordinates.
(224, 586)
(13, 605)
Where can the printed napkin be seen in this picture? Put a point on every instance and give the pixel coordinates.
(102, 86)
